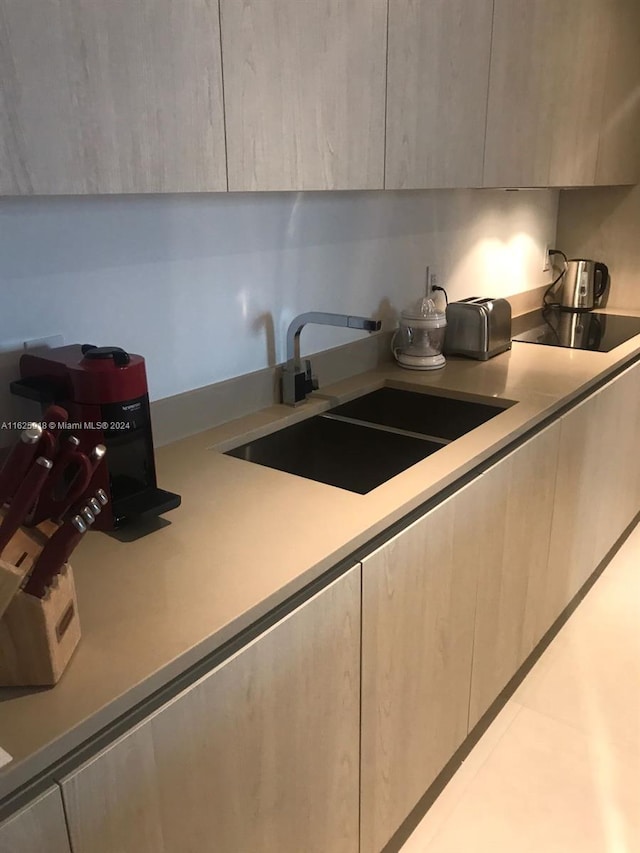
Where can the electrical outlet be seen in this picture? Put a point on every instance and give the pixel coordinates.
(546, 260)
(44, 343)
(431, 281)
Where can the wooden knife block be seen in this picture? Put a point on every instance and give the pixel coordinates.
(37, 635)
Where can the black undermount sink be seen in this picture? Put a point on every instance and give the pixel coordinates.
(425, 414)
(361, 444)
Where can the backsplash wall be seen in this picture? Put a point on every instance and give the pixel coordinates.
(205, 286)
(603, 223)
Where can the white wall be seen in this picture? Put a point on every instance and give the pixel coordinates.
(205, 286)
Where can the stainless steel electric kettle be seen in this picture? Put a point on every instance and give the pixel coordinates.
(583, 285)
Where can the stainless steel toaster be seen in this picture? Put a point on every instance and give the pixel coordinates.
(478, 327)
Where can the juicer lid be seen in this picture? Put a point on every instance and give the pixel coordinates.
(423, 309)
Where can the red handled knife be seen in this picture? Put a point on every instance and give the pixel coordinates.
(54, 420)
(54, 555)
(95, 506)
(18, 461)
(71, 477)
(60, 546)
(82, 480)
(24, 498)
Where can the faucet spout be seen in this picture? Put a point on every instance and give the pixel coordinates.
(298, 381)
(323, 318)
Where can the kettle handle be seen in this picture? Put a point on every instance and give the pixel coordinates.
(603, 269)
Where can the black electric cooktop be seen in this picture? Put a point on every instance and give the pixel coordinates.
(575, 329)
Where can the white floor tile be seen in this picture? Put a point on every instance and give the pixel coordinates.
(455, 790)
(592, 679)
(546, 788)
(559, 769)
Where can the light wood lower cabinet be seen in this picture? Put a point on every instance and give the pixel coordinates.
(38, 828)
(259, 755)
(451, 608)
(417, 637)
(597, 491)
(617, 460)
(572, 549)
(517, 495)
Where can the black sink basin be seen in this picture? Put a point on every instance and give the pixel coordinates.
(362, 444)
(426, 414)
(339, 453)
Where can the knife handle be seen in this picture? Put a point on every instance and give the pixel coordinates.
(54, 555)
(57, 416)
(82, 480)
(95, 506)
(96, 456)
(19, 458)
(24, 498)
(56, 486)
(69, 446)
(77, 487)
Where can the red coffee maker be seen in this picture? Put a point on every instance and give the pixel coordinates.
(104, 390)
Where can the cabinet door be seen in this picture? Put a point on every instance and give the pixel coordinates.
(597, 485)
(417, 636)
(617, 463)
(518, 498)
(38, 828)
(545, 92)
(572, 549)
(104, 97)
(438, 76)
(304, 86)
(581, 43)
(259, 755)
(619, 151)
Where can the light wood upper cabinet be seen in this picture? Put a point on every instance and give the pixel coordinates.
(417, 637)
(437, 80)
(104, 97)
(520, 114)
(546, 89)
(619, 148)
(304, 87)
(581, 45)
(260, 755)
(38, 828)
(518, 497)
